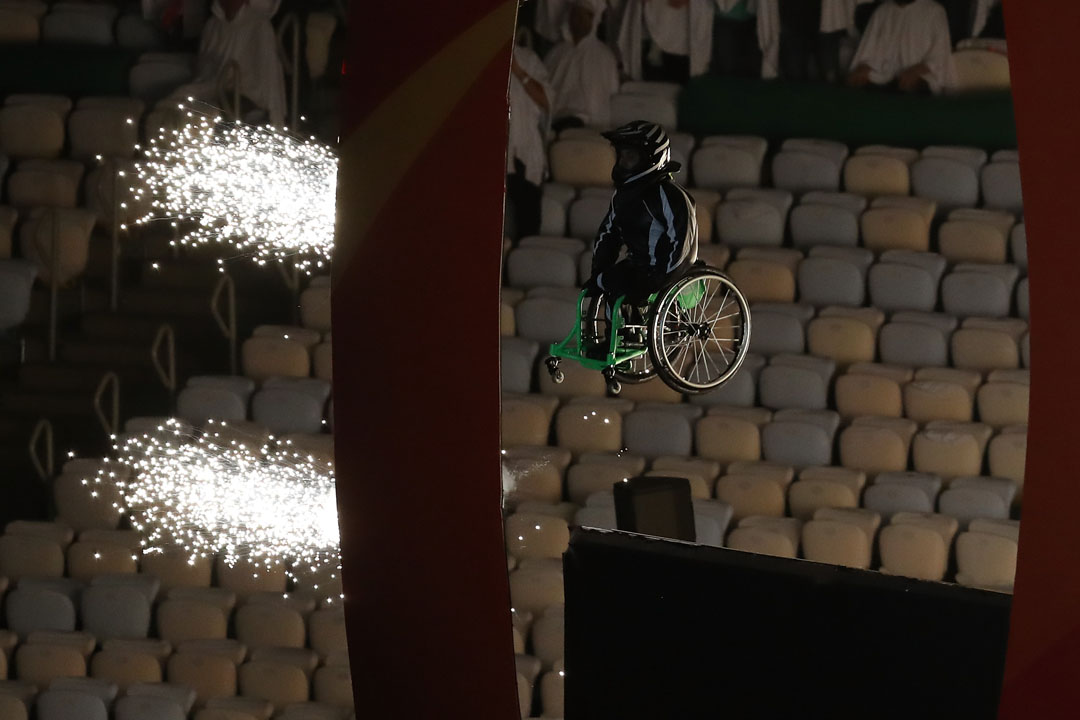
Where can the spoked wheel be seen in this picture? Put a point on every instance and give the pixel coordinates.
(699, 331)
(630, 372)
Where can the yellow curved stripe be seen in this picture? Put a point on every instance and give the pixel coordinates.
(376, 156)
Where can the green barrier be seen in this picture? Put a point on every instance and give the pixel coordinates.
(711, 105)
(65, 70)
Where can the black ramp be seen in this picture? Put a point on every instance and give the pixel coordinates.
(662, 629)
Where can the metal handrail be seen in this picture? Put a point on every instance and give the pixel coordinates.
(114, 269)
(110, 424)
(291, 64)
(227, 323)
(166, 372)
(46, 469)
(54, 286)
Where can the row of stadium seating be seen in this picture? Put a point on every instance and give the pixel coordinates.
(193, 633)
(75, 23)
(951, 176)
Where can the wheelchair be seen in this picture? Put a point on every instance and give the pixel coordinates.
(695, 335)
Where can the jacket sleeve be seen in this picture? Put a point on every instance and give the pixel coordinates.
(607, 245)
(668, 229)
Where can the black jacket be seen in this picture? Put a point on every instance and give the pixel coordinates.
(655, 219)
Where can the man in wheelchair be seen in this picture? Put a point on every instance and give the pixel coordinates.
(652, 216)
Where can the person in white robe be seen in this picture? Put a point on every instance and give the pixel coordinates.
(240, 31)
(550, 19)
(906, 42)
(836, 16)
(680, 32)
(583, 70)
(526, 157)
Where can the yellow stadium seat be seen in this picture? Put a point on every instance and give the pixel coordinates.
(530, 535)
(843, 339)
(41, 664)
(589, 428)
(892, 228)
(749, 494)
(727, 439)
(124, 668)
(865, 394)
(836, 543)
(876, 174)
(806, 497)
(763, 281)
(913, 551)
(926, 400)
(1004, 403)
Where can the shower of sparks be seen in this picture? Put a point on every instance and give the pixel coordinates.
(269, 506)
(266, 193)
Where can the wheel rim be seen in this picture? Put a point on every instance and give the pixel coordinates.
(701, 344)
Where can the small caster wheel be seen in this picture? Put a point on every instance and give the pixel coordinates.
(557, 377)
(614, 386)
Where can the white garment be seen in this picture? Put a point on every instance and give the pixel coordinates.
(899, 37)
(584, 76)
(695, 34)
(668, 26)
(982, 13)
(550, 16)
(249, 39)
(528, 121)
(835, 15)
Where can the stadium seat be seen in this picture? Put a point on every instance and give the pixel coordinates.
(181, 620)
(286, 409)
(589, 428)
(529, 535)
(864, 394)
(805, 497)
(516, 363)
(986, 561)
(88, 558)
(175, 568)
(788, 528)
(776, 332)
(108, 132)
(949, 182)
(102, 689)
(529, 267)
(740, 390)
(751, 495)
(582, 162)
(913, 551)
(267, 625)
(264, 357)
(947, 453)
(70, 705)
(973, 241)
(971, 497)
(726, 162)
(1001, 186)
(31, 131)
(984, 349)
(69, 229)
(41, 664)
(753, 217)
(210, 676)
(800, 171)
(979, 291)
(874, 174)
(18, 27)
(8, 217)
(525, 422)
(629, 106)
(125, 668)
(795, 442)
(822, 223)
(16, 282)
(52, 183)
(913, 345)
(894, 228)
(587, 214)
(875, 447)
(1003, 402)
(1018, 246)
(900, 286)
(831, 281)
(197, 404)
(835, 543)
(536, 586)
(11, 706)
(727, 439)
(1007, 453)
(844, 340)
(787, 386)
(545, 320)
(926, 400)
(29, 609)
(326, 632)
(29, 556)
(554, 201)
(652, 433)
(245, 707)
(115, 611)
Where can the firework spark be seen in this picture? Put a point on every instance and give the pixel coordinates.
(268, 194)
(269, 505)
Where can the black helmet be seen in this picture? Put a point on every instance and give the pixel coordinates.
(650, 140)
